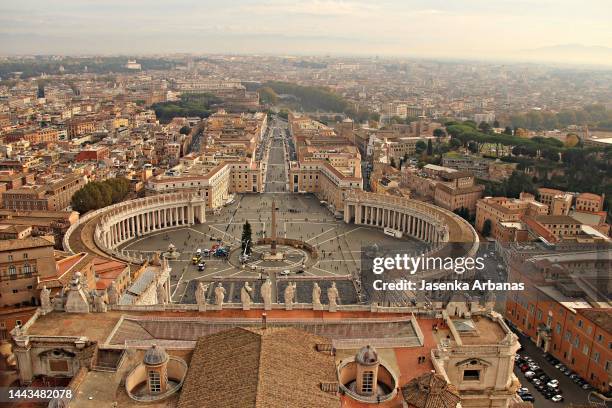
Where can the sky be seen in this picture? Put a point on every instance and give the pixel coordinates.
(574, 30)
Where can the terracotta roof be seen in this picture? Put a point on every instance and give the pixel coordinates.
(430, 390)
(31, 242)
(259, 368)
(557, 219)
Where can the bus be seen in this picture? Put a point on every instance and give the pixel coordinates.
(393, 233)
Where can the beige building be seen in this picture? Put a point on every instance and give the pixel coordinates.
(327, 164)
(52, 196)
(22, 263)
(558, 202)
(589, 202)
(457, 190)
(503, 209)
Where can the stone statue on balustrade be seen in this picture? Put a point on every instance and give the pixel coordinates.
(219, 295)
(162, 294)
(245, 296)
(316, 296)
(99, 303)
(333, 295)
(200, 294)
(112, 294)
(45, 300)
(290, 295)
(266, 294)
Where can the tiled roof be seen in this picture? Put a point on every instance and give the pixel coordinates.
(430, 391)
(259, 368)
(31, 242)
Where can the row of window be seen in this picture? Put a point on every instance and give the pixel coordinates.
(10, 257)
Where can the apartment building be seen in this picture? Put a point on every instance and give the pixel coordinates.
(22, 263)
(589, 202)
(327, 164)
(568, 328)
(500, 210)
(53, 196)
(558, 202)
(457, 190)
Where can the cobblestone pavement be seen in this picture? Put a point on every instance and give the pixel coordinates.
(338, 244)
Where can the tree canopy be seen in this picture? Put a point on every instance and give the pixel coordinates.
(97, 194)
(196, 104)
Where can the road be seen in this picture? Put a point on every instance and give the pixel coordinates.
(277, 166)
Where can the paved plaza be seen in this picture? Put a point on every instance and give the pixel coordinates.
(299, 216)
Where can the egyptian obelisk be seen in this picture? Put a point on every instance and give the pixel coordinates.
(273, 242)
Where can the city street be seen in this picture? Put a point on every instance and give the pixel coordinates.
(277, 166)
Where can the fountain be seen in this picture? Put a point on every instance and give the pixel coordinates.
(171, 253)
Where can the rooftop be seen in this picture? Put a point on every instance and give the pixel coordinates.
(267, 368)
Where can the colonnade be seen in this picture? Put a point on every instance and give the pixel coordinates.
(144, 216)
(414, 225)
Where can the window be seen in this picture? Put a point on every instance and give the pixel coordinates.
(154, 382)
(12, 271)
(27, 270)
(558, 329)
(596, 357)
(580, 324)
(599, 338)
(367, 383)
(10, 258)
(25, 255)
(585, 350)
(471, 375)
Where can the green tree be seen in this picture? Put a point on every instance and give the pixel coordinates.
(484, 127)
(429, 147)
(517, 183)
(247, 238)
(439, 132)
(267, 95)
(185, 130)
(420, 147)
(97, 195)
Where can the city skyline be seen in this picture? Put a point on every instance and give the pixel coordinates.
(514, 30)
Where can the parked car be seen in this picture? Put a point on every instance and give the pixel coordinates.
(557, 398)
(523, 390)
(553, 384)
(529, 374)
(527, 398)
(586, 386)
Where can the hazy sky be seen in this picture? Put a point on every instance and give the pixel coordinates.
(450, 28)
